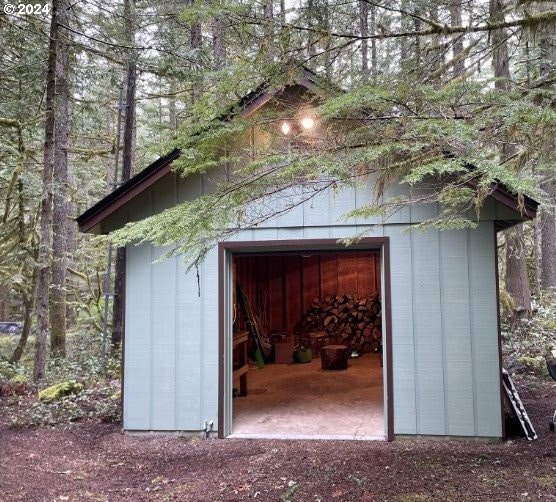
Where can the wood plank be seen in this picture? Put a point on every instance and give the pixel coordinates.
(311, 280)
(365, 273)
(347, 273)
(378, 275)
(276, 294)
(250, 281)
(262, 296)
(241, 371)
(292, 291)
(328, 275)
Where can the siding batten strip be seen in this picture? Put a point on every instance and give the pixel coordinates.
(443, 332)
(472, 333)
(151, 322)
(177, 372)
(202, 417)
(415, 344)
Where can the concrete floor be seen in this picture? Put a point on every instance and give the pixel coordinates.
(303, 401)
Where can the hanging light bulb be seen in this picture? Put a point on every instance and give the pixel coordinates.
(307, 122)
(286, 128)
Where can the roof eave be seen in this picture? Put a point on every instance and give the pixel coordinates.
(527, 207)
(90, 220)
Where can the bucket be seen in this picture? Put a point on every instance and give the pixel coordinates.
(303, 355)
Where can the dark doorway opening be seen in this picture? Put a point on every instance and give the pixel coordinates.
(311, 299)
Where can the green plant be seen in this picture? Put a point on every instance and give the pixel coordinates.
(525, 346)
(8, 371)
(60, 390)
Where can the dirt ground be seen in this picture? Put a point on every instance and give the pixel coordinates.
(89, 461)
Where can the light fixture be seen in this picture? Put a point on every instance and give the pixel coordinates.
(286, 128)
(307, 122)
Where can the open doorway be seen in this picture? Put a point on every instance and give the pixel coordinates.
(309, 306)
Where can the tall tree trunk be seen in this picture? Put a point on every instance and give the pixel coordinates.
(537, 254)
(60, 217)
(118, 312)
(435, 54)
(364, 32)
(417, 53)
(457, 40)
(196, 36)
(517, 281)
(196, 43)
(131, 80)
(30, 288)
(218, 46)
(172, 112)
(405, 43)
(45, 231)
(548, 237)
(268, 29)
(283, 11)
(374, 59)
(328, 44)
(499, 42)
(268, 10)
(547, 44)
(311, 49)
(28, 304)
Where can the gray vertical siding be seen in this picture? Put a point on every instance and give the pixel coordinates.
(483, 317)
(403, 331)
(457, 331)
(444, 325)
(137, 377)
(428, 339)
(444, 321)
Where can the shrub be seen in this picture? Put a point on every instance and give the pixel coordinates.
(62, 389)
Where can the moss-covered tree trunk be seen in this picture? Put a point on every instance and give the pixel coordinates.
(548, 237)
(364, 32)
(516, 279)
(118, 312)
(218, 44)
(28, 309)
(60, 217)
(29, 289)
(45, 231)
(547, 45)
(457, 40)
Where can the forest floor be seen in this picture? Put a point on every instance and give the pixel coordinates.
(94, 461)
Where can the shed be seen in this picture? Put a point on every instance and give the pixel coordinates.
(426, 300)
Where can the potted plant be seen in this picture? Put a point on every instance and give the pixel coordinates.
(303, 352)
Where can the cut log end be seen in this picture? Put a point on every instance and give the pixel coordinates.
(334, 357)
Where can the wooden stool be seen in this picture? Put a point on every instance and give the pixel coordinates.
(334, 357)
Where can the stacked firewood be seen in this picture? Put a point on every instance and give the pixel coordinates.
(347, 319)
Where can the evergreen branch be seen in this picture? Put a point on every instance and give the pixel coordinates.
(442, 29)
(128, 47)
(404, 12)
(4, 122)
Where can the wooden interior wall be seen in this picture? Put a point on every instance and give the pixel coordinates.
(282, 287)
